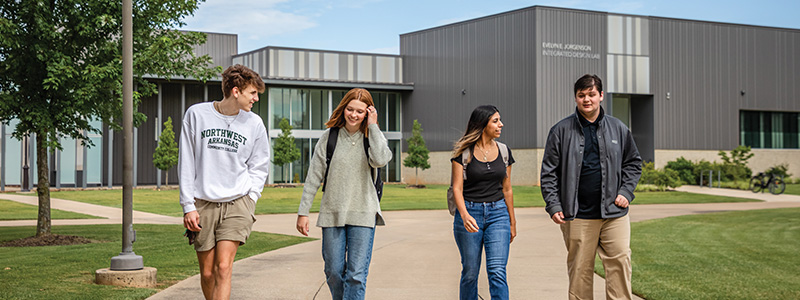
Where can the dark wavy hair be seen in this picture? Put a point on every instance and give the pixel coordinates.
(477, 123)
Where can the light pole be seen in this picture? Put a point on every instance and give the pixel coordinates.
(127, 260)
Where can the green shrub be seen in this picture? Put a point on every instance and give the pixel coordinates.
(660, 178)
(780, 170)
(741, 185)
(685, 169)
(734, 166)
(644, 187)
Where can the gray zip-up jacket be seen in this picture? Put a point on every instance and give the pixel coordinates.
(620, 164)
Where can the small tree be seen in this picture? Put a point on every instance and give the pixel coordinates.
(734, 167)
(285, 150)
(166, 155)
(417, 152)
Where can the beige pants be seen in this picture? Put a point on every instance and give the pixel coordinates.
(611, 239)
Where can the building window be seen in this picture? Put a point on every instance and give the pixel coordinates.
(307, 110)
(769, 130)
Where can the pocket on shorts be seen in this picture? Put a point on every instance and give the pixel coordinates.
(251, 206)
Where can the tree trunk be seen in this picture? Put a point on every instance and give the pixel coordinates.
(166, 179)
(43, 187)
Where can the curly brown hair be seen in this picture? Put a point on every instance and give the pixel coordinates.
(241, 77)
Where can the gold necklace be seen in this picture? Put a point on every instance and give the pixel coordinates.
(485, 152)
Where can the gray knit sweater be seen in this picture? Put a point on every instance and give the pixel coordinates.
(350, 197)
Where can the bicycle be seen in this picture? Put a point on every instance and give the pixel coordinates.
(761, 182)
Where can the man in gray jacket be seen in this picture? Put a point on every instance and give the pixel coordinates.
(590, 169)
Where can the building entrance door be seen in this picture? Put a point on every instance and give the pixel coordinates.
(636, 111)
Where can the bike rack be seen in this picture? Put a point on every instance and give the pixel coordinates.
(711, 178)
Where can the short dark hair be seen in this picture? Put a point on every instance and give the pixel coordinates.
(587, 82)
(240, 77)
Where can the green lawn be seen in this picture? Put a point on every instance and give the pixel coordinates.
(793, 189)
(11, 210)
(67, 272)
(395, 197)
(730, 255)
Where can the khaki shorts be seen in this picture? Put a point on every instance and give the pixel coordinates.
(224, 221)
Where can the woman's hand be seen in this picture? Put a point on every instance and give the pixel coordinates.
(513, 232)
(302, 225)
(469, 223)
(372, 115)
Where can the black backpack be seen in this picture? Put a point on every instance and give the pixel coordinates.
(331, 146)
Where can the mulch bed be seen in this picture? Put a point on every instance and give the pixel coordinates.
(48, 240)
(416, 186)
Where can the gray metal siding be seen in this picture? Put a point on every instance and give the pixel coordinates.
(221, 47)
(705, 67)
(491, 59)
(557, 74)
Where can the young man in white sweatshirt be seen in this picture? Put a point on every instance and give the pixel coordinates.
(224, 163)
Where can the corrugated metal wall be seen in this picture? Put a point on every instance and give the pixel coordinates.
(221, 47)
(490, 59)
(557, 71)
(705, 67)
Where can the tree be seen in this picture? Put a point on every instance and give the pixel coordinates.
(285, 151)
(166, 155)
(61, 66)
(417, 152)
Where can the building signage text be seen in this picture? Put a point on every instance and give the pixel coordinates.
(568, 50)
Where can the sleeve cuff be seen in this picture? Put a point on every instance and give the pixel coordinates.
(253, 196)
(189, 208)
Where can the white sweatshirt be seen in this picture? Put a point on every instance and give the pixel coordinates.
(221, 157)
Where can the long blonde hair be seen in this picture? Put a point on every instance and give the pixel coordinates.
(477, 123)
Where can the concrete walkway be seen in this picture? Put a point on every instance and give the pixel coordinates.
(415, 256)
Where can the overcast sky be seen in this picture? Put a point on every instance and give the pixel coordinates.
(375, 25)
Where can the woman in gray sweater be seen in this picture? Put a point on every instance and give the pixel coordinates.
(349, 209)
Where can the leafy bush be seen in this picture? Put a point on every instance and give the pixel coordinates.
(781, 171)
(734, 166)
(660, 178)
(685, 169)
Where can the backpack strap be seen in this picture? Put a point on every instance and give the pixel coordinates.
(333, 135)
(503, 152)
(465, 158)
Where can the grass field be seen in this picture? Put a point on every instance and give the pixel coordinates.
(10, 210)
(395, 197)
(730, 255)
(793, 189)
(67, 272)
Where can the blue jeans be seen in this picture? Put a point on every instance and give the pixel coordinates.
(347, 252)
(494, 235)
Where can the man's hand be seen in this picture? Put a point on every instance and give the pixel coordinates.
(558, 218)
(621, 201)
(302, 225)
(191, 221)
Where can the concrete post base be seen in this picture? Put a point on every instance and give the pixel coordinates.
(144, 278)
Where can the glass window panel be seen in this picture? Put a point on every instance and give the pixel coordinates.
(67, 164)
(299, 109)
(750, 126)
(791, 136)
(337, 97)
(276, 101)
(766, 129)
(94, 156)
(393, 168)
(13, 156)
(394, 111)
(319, 108)
(300, 166)
(380, 102)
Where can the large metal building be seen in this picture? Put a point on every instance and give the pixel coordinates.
(685, 88)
